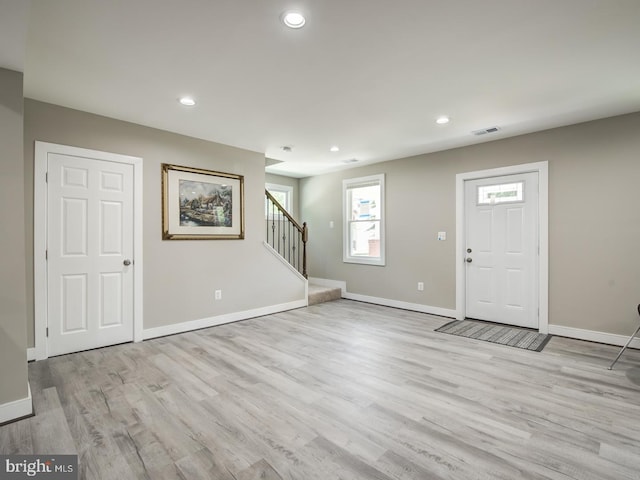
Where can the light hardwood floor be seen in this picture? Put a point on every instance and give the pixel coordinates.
(341, 390)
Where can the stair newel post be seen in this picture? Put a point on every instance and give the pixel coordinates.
(305, 234)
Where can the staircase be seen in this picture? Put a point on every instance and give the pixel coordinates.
(286, 236)
(289, 239)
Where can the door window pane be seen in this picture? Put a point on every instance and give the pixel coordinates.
(503, 193)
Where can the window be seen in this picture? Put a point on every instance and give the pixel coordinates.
(503, 193)
(363, 209)
(283, 195)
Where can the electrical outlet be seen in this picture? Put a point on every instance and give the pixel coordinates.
(420, 286)
(218, 294)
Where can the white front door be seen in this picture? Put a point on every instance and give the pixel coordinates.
(90, 253)
(501, 231)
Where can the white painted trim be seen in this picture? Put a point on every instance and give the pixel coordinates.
(39, 250)
(42, 150)
(325, 282)
(559, 330)
(543, 257)
(17, 409)
(220, 319)
(593, 336)
(138, 234)
(291, 268)
(275, 253)
(416, 307)
(542, 168)
(31, 354)
(346, 213)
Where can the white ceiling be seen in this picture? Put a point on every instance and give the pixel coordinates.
(368, 75)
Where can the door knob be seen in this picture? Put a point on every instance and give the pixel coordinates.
(469, 260)
(127, 262)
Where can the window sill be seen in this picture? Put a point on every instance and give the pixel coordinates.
(379, 262)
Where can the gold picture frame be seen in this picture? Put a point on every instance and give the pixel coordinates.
(199, 204)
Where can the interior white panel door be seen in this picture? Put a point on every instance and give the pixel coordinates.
(501, 216)
(89, 243)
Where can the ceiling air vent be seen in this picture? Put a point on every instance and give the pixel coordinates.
(484, 131)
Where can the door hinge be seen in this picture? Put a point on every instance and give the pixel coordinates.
(47, 332)
(46, 254)
(46, 177)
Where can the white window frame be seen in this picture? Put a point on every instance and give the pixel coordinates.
(286, 189)
(347, 185)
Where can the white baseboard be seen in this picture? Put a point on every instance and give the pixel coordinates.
(593, 336)
(220, 319)
(570, 332)
(325, 282)
(416, 307)
(17, 409)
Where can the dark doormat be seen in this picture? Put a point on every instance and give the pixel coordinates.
(501, 334)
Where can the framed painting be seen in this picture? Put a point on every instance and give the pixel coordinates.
(200, 204)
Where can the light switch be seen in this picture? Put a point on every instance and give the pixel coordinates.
(442, 236)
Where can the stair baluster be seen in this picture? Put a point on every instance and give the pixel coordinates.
(290, 234)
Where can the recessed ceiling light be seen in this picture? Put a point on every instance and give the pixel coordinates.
(293, 19)
(187, 101)
(335, 148)
(442, 120)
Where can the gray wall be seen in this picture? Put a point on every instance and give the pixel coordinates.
(594, 222)
(179, 276)
(13, 302)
